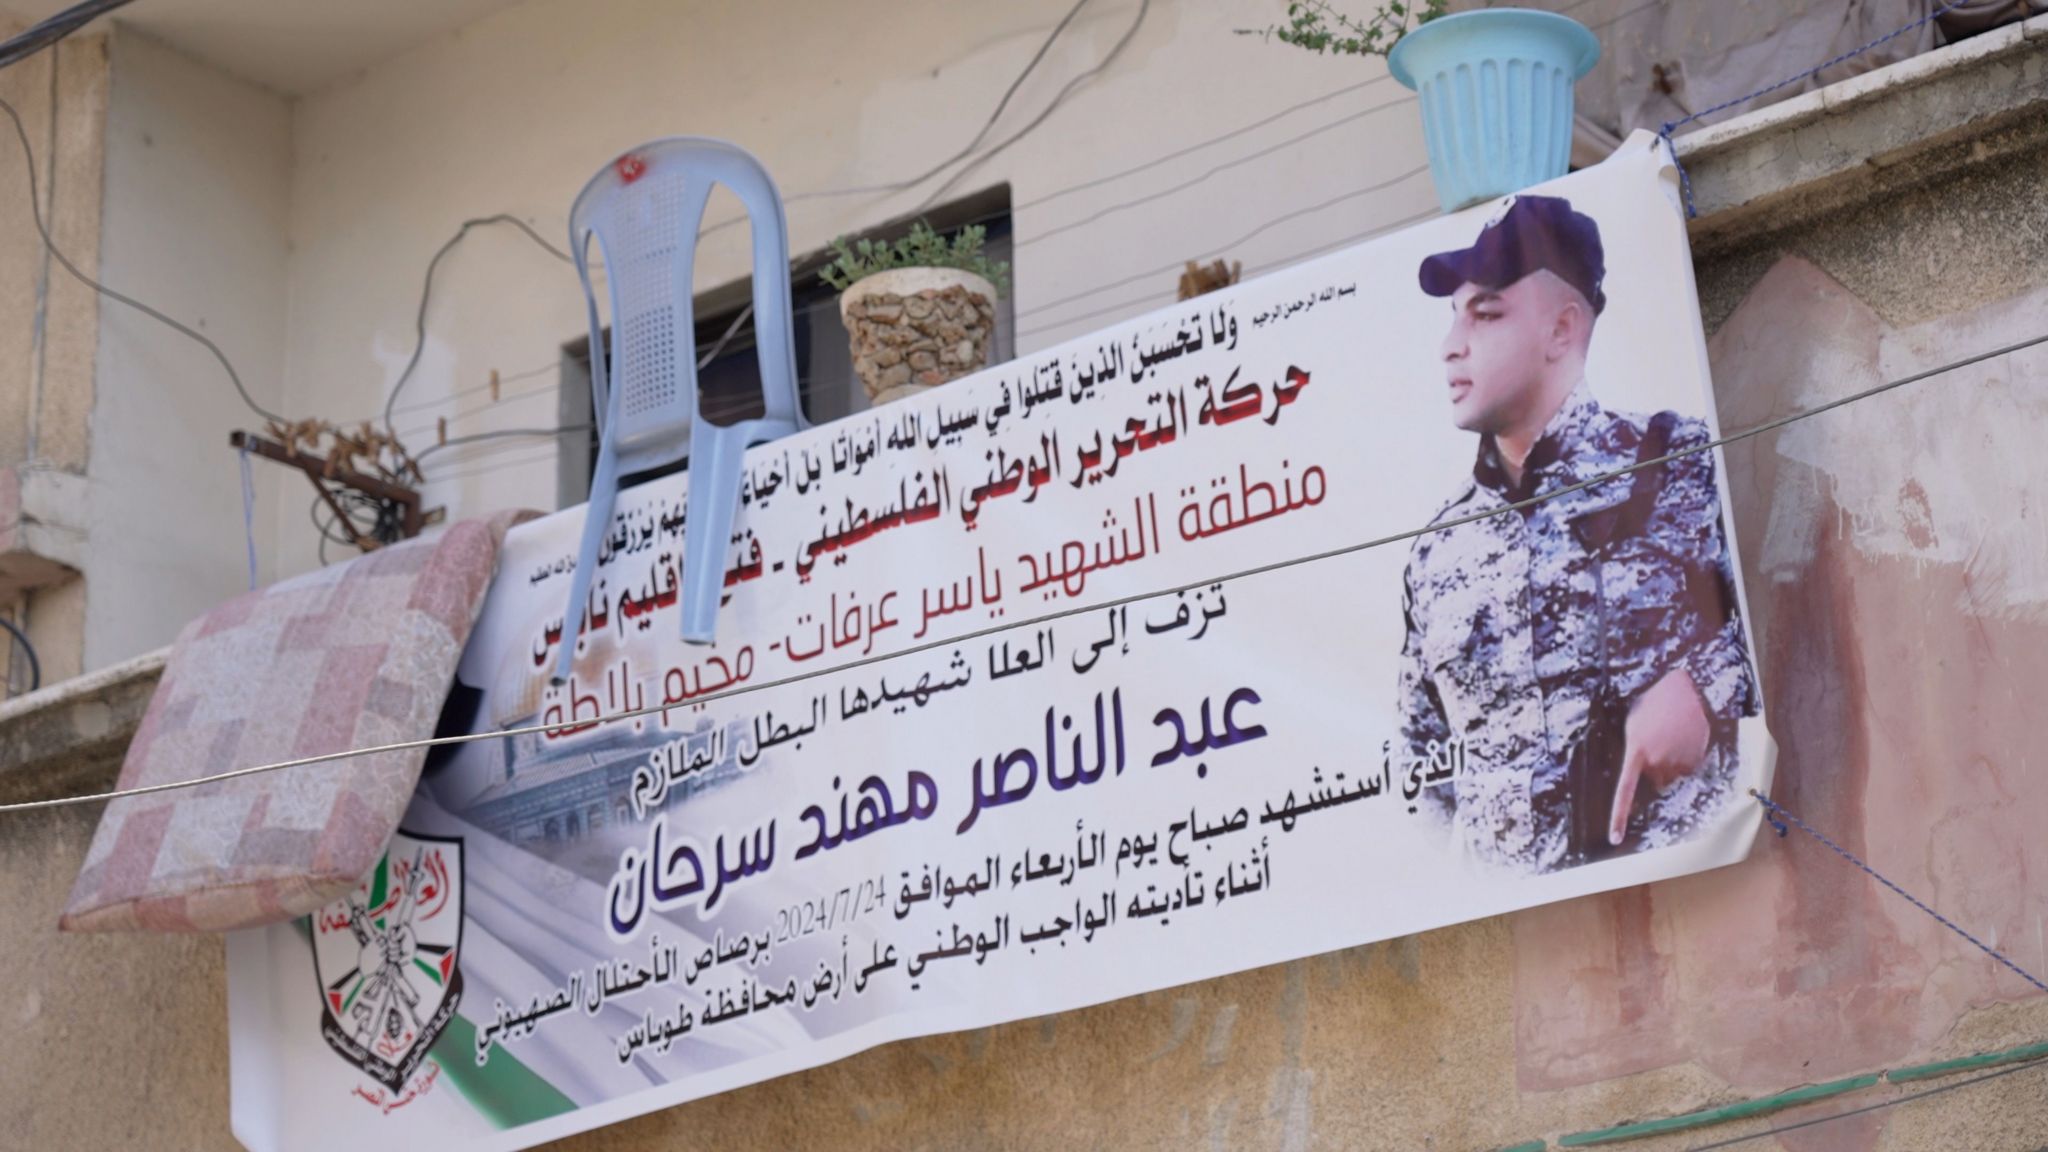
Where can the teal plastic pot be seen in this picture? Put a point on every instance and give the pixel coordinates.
(1495, 88)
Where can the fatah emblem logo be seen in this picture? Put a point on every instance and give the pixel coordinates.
(387, 956)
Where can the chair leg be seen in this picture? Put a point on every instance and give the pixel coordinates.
(597, 518)
(716, 455)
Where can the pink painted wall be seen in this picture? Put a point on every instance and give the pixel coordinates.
(1898, 573)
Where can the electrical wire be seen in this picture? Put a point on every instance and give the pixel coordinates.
(1771, 425)
(1365, 190)
(1236, 132)
(500, 402)
(1617, 18)
(248, 510)
(62, 24)
(733, 328)
(1198, 146)
(475, 455)
(35, 666)
(1048, 197)
(1059, 98)
(499, 434)
(987, 126)
(427, 295)
(427, 288)
(1155, 162)
(2026, 1066)
(730, 330)
(1342, 241)
(1611, 21)
(48, 32)
(452, 397)
(1125, 173)
(1218, 251)
(1124, 306)
(498, 465)
(717, 348)
(745, 313)
(381, 523)
(36, 212)
(72, 18)
(1126, 205)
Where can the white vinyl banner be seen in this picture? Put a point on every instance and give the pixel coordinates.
(1210, 734)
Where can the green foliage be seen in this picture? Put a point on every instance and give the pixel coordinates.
(1316, 26)
(922, 248)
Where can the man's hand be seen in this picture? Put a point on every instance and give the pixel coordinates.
(1665, 738)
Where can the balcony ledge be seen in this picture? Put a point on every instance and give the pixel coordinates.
(1876, 134)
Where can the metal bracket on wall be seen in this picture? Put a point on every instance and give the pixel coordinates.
(332, 471)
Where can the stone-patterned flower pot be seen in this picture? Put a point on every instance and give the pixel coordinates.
(915, 328)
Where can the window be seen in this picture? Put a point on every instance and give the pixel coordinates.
(729, 386)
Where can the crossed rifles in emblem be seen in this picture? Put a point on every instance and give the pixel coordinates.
(389, 1001)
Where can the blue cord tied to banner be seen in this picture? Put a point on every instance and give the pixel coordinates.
(1691, 211)
(249, 514)
(1779, 816)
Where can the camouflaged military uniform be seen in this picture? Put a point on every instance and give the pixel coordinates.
(1504, 633)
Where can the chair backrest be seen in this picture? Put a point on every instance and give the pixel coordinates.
(643, 210)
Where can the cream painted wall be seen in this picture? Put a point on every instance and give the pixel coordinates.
(1901, 730)
(193, 221)
(514, 112)
(48, 329)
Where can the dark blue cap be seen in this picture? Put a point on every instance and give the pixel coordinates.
(1536, 232)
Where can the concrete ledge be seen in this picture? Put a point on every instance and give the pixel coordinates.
(70, 737)
(42, 541)
(1877, 133)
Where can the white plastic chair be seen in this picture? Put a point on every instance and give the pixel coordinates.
(644, 210)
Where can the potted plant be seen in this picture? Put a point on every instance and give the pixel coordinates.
(1319, 27)
(918, 312)
(1495, 84)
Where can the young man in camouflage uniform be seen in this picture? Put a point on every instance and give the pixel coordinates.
(1581, 628)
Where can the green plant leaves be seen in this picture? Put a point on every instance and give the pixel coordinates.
(1318, 27)
(922, 247)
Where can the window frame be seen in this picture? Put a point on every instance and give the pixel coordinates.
(713, 311)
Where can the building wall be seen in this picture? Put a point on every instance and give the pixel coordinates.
(111, 1041)
(46, 319)
(48, 326)
(1894, 568)
(198, 179)
(1895, 580)
(515, 112)
(169, 182)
